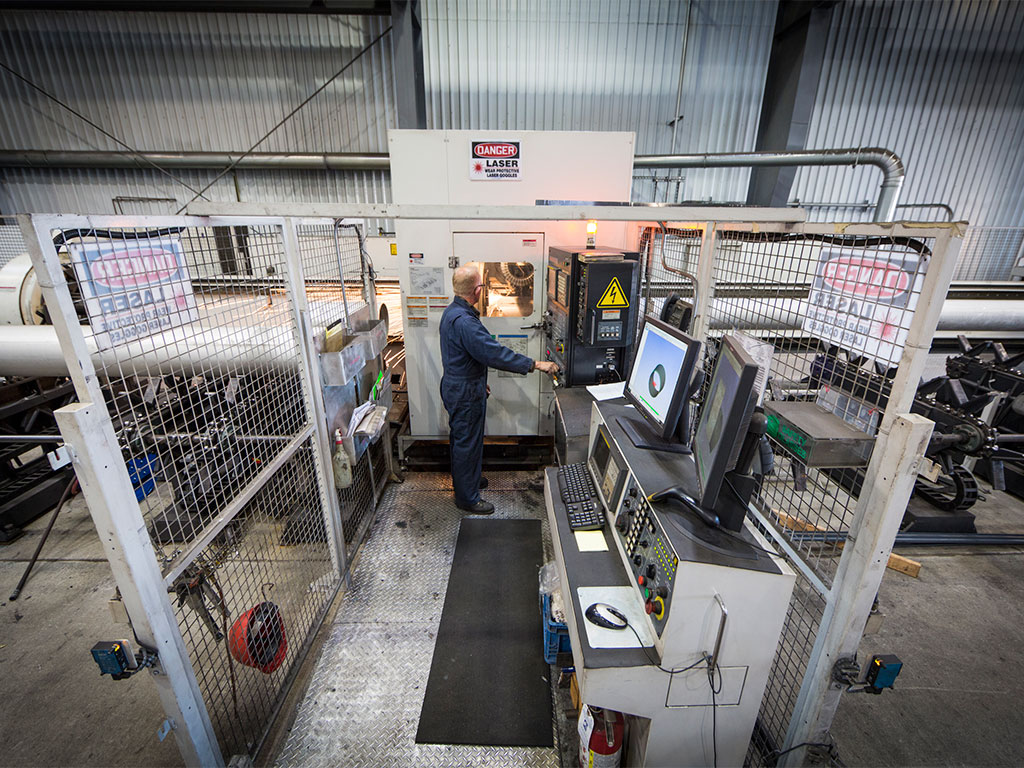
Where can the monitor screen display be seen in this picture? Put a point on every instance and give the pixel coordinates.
(723, 420)
(657, 371)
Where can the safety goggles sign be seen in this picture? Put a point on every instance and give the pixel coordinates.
(495, 161)
(133, 288)
(862, 300)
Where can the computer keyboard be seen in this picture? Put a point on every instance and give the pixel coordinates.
(580, 498)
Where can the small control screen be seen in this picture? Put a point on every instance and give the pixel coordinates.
(605, 468)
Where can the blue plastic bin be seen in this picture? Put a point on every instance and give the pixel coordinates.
(142, 472)
(556, 634)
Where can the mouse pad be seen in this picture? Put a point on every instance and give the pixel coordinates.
(628, 603)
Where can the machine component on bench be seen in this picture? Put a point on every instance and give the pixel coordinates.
(989, 368)
(592, 297)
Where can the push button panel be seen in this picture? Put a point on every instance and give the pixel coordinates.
(650, 557)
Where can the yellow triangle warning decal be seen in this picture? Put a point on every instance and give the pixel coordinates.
(613, 297)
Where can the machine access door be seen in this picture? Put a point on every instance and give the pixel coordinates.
(511, 267)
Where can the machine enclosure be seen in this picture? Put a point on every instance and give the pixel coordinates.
(590, 344)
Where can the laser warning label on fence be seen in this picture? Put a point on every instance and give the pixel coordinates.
(133, 288)
(495, 161)
(863, 299)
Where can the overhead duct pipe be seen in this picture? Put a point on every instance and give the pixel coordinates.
(893, 171)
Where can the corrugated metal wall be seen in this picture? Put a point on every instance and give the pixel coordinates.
(942, 84)
(605, 65)
(939, 82)
(191, 82)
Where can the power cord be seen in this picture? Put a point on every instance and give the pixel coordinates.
(704, 659)
(654, 662)
(775, 754)
(714, 707)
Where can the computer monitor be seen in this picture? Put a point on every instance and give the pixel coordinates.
(659, 388)
(724, 418)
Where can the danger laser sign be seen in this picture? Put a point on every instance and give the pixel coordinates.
(495, 161)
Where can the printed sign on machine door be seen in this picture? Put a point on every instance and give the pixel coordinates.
(133, 288)
(495, 161)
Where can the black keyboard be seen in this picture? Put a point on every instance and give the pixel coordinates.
(580, 498)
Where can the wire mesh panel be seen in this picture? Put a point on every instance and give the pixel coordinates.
(990, 253)
(834, 312)
(199, 359)
(253, 597)
(670, 264)
(192, 331)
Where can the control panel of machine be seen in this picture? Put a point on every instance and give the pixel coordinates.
(608, 468)
(648, 553)
(593, 298)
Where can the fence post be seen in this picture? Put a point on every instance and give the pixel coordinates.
(315, 400)
(887, 487)
(705, 283)
(100, 469)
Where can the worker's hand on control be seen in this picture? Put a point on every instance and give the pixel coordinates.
(488, 389)
(546, 366)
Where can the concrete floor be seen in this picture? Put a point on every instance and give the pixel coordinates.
(956, 628)
(55, 708)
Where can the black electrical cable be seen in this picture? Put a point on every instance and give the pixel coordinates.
(714, 707)
(76, 234)
(287, 117)
(777, 753)
(98, 127)
(654, 662)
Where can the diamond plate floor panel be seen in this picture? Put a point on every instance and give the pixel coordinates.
(364, 698)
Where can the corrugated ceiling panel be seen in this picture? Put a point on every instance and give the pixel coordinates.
(193, 82)
(940, 83)
(190, 82)
(604, 65)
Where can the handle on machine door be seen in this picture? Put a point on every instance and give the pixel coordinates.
(721, 631)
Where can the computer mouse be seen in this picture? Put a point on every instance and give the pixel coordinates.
(604, 615)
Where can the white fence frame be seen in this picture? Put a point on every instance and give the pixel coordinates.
(888, 482)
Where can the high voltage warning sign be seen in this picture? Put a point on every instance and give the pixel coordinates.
(613, 297)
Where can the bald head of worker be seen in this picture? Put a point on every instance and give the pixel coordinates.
(466, 283)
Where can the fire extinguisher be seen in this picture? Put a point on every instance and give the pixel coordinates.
(601, 733)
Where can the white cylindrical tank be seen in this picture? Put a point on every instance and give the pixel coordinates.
(21, 301)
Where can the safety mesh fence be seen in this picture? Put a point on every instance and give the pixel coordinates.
(833, 313)
(199, 358)
(193, 337)
(334, 273)
(670, 258)
(253, 598)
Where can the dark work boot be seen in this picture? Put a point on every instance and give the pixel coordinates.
(483, 483)
(480, 508)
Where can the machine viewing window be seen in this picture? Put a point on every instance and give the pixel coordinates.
(508, 288)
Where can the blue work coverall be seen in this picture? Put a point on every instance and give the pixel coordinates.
(467, 350)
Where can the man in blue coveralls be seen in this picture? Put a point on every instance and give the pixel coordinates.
(467, 350)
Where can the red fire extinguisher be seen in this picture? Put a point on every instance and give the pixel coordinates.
(600, 737)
